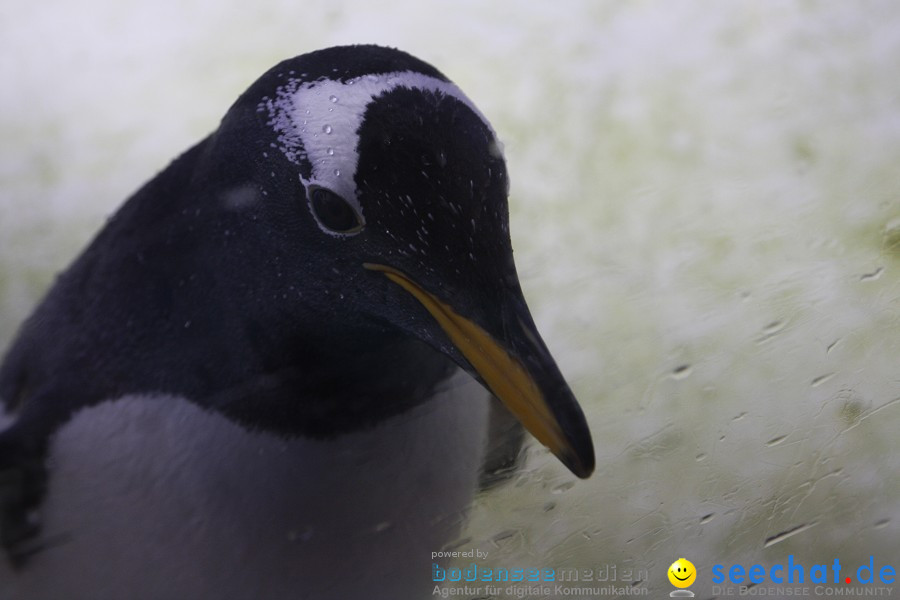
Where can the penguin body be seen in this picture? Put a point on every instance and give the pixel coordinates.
(254, 516)
(248, 384)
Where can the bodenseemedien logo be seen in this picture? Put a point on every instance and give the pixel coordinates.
(682, 573)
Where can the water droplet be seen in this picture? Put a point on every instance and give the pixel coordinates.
(773, 327)
(327, 129)
(563, 487)
(873, 275)
(382, 526)
(187, 324)
(770, 331)
(707, 518)
(681, 372)
(337, 172)
(700, 457)
(503, 536)
(821, 379)
(333, 99)
(372, 78)
(882, 523)
(776, 440)
(330, 152)
(780, 537)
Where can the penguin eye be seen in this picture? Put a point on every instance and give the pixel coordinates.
(333, 212)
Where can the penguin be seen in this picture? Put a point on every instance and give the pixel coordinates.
(271, 373)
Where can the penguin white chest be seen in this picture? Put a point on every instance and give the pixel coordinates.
(155, 497)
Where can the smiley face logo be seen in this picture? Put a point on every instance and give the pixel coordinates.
(682, 573)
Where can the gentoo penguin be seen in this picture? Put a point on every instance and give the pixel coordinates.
(265, 377)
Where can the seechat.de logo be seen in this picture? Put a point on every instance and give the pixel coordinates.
(794, 572)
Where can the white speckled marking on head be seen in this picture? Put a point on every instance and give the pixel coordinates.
(322, 119)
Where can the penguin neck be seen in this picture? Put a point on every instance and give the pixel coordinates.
(319, 380)
(327, 385)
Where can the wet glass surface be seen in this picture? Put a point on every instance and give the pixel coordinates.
(706, 216)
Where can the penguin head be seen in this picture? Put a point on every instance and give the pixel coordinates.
(382, 191)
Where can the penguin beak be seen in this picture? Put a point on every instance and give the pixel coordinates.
(518, 369)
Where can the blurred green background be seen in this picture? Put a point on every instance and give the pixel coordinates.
(706, 218)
